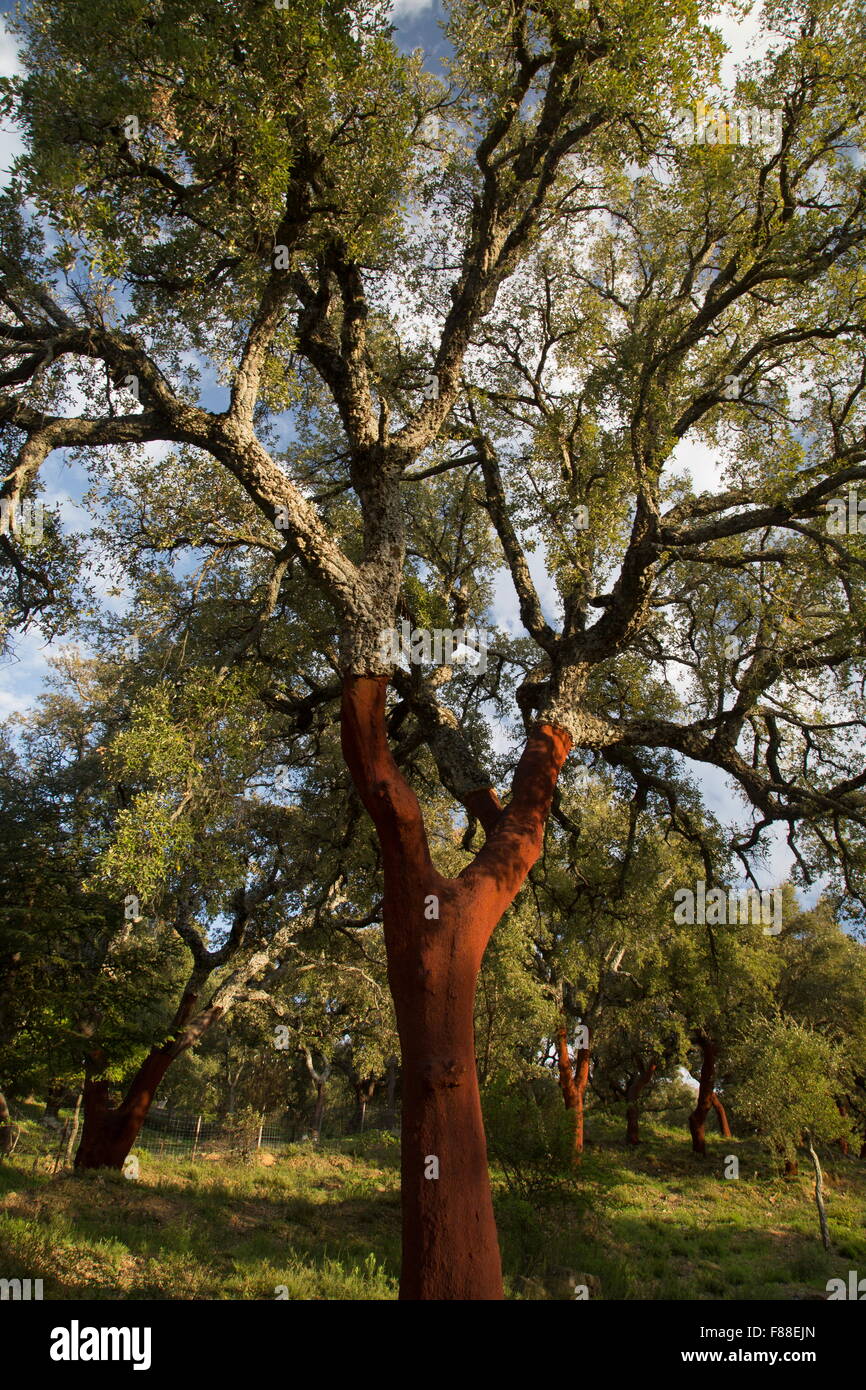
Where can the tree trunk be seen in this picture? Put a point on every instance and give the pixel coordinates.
(391, 1090)
(572, 1081)
(706, 1095)
(819, 1192)
(109, 1131)
(6, 1132)
(637, 1085)
(53, 1101)
(73, 1130)
(319, 1111)
(364, 1091)
(791, 1169)
(436, 931)
(721, 1116)
(320, 1081)
(843, 1143)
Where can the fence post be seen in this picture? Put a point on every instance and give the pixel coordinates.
(197, 1133)
(261, 1127)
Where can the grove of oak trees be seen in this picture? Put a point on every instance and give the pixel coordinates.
(354, 336)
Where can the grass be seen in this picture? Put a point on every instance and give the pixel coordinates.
(650, 1223)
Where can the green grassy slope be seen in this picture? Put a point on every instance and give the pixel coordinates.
(651, 1223)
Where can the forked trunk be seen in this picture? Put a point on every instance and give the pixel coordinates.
(707, 1099)
(573, 1078)
(637, 1086)
(109, 1131)
(436, 931)
(365, 1090)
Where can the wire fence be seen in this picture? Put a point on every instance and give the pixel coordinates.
(193, 1136)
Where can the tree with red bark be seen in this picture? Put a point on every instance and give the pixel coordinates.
(520, 277)
(721, 977)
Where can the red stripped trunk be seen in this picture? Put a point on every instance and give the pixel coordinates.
(573, 1078)
(721, 1116)
(707, 1099)
(632, 1115)
(109, 1131)
(436, 931)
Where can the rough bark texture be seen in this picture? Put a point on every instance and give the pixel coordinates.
(637, 1086)
(573, 1078)
(436, 930)
(707, 1098)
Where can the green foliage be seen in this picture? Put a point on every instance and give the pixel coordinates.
(787, 1077)
(530, 1135)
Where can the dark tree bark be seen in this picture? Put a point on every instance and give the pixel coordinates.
(573, 1078)
(637, 1086)
(53, 1101)
(436, 931)
(707, 1098)
(365, 1089)
(391, 1074)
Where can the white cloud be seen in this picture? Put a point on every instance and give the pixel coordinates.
(10, 143)
(409, 9)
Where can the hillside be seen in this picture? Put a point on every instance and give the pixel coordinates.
(652, 1223)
